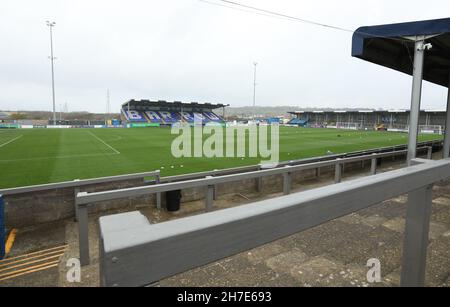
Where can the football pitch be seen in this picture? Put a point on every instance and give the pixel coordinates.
(37, 156)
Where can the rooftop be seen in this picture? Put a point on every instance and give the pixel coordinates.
(392, 46)
(163, 103)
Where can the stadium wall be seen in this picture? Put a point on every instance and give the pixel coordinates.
(33, 208)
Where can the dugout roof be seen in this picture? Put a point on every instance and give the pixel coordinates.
(390, 46)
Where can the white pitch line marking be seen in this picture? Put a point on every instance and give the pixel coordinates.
(10, 141)
(115, 150)
(60, 157)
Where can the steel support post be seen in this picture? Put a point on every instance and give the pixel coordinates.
(287, 182)
(83, 234)
(430, 152)
(76, 191)
(209, 199)
(446, 149)
(373, 166)
(416, 237)
(338, 172)
(259, 182)
(415, 99)
(158, 195)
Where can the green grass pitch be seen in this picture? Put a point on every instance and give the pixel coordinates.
(37, 156)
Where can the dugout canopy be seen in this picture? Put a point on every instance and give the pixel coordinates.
(420, 49)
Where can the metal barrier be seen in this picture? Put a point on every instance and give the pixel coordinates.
(142, 253)
(84, 199)
(423, 145)
(78, 184)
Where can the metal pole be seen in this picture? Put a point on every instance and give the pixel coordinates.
(209, 199)
(430, 152)
(259, 181)
(254, 90)
(338, 172)
(158, 195)
(83, 234)
(446, 149)
(373, 166)
(287, 182)
(415, 99)
(76, 191)
(416, 237)
(214, 192)
(52, 58)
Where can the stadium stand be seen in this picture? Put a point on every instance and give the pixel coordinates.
(157, 113)
(134, 116)
(430, 121)
(298, 122)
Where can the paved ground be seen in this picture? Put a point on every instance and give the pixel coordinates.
(332, 254)
(335, 253)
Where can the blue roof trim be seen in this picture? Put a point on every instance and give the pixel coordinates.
(426, 27)
(375, 44)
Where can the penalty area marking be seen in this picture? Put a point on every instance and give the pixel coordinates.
(10, 141)
(115, 150)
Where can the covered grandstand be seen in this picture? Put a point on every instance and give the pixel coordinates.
(431, 121)
(163, 113)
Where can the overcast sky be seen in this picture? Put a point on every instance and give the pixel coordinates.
(188, 50)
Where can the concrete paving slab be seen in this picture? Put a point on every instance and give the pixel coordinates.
(314, 271)
(388, 210)
(260, 254)
(441, 214)
(283, 263)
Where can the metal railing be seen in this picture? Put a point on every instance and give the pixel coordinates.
(146, 253)
(83, 182)
(78, 184)
(84, 199)
(421, 146)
